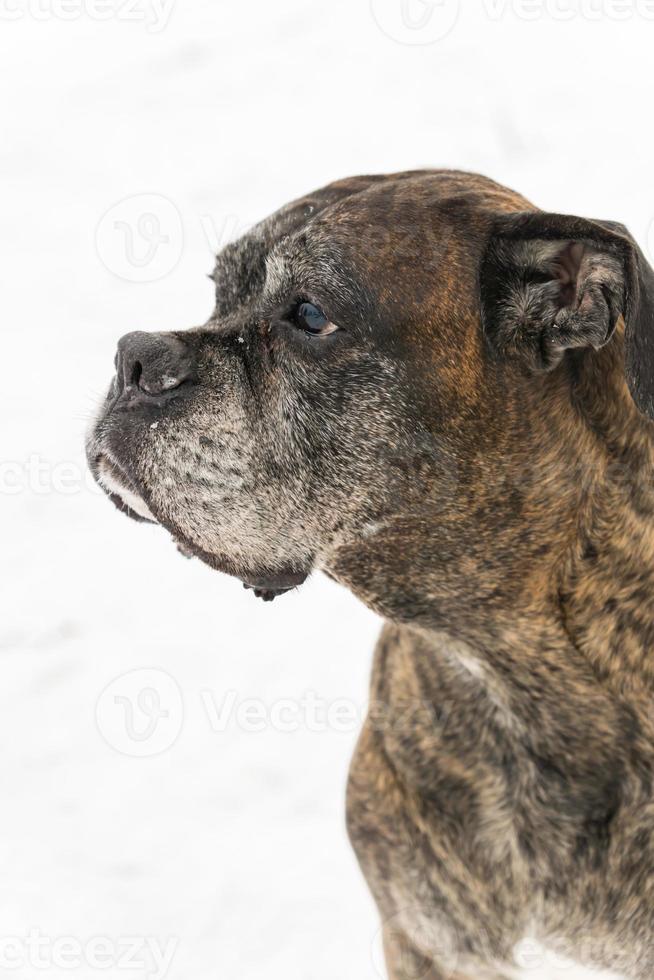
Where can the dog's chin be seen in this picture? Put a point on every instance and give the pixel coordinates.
(266, 584)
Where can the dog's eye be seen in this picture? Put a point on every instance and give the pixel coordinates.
(312, 320)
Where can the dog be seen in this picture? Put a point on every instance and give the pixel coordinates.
(442, 397)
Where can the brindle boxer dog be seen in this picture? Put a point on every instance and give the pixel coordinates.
(440, 396)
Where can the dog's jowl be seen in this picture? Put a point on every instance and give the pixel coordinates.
(441, 397)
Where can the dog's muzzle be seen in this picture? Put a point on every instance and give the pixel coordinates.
(152, 370)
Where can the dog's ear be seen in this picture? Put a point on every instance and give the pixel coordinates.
(551, 282)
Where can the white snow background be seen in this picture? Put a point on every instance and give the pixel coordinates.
(229, 844)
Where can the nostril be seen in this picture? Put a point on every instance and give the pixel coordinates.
(136, 373)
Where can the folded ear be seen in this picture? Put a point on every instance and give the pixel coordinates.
(552, 282)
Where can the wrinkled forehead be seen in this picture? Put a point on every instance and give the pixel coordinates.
(273, 244)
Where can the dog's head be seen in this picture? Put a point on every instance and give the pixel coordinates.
(370, 345)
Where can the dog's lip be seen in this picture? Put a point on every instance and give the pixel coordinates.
(103, 465)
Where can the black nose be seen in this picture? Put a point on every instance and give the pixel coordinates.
(151, 367)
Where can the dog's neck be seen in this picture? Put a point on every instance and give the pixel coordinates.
(546, 549)
(606, 588)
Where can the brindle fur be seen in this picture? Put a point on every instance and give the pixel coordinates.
(466, 456)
